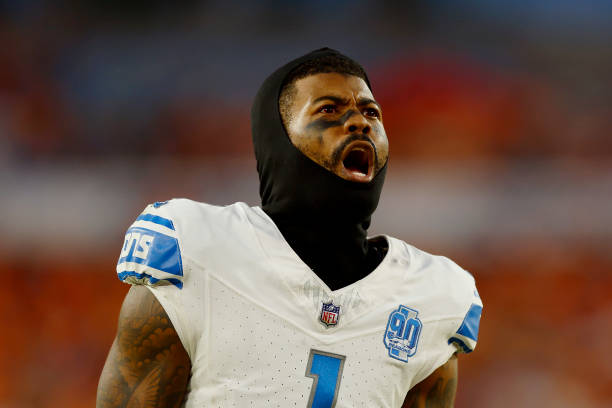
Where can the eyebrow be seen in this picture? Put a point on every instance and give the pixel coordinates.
(367, 101)
(344, 101)
(335, 99)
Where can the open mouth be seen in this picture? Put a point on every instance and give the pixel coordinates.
(358, 161)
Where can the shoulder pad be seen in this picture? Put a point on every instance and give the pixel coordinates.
(150, 254)
(466, 337)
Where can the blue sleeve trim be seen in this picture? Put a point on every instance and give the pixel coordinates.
(157, 220)
(124, 275)
(151, 248)
(461, 344)
(471, 323)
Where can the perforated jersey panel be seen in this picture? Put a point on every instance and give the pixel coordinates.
(257, 359)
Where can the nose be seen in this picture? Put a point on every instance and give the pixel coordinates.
(357, 123)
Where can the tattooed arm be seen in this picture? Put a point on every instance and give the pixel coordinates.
(147, 365)
(437, 390)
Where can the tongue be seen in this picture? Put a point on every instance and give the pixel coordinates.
(355, 169)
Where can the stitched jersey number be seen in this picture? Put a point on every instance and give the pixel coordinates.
(326, 371)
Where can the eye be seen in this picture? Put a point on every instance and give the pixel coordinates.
(371, 112)
(327, 109)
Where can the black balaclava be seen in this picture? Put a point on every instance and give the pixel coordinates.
(323, 217)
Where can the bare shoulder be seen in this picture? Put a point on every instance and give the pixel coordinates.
(147, 365)
(436, 391)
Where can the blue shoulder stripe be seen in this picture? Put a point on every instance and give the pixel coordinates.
(471, 323)
(157, 220)
(461, 344)
(151, 248)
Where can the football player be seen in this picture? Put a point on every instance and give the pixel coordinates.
(291, 304)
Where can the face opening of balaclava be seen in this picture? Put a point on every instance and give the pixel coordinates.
(323, 217)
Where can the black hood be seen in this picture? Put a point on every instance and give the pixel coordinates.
(313, 207)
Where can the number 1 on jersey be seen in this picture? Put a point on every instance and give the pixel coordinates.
(326, 371)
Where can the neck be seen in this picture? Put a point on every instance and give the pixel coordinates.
(336, 250)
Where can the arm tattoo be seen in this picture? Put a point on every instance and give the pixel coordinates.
(442, 394)
(147, 365)
(437, 390)
(412, 400)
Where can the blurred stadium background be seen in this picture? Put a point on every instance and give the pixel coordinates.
(499, 116)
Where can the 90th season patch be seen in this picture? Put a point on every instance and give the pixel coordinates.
(402, 333)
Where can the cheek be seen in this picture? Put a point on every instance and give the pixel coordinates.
(311, 140)
(381, 142)
(312, 146)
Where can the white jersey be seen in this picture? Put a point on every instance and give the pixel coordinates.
(262, 330)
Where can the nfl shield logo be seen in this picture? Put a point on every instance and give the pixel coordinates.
(330, 314)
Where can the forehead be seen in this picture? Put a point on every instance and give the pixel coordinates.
(340, 85)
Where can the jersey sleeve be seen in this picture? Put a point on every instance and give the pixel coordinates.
(151, 253)
(466, 336)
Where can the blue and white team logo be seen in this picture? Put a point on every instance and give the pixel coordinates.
(402, 334)
(330, 314)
